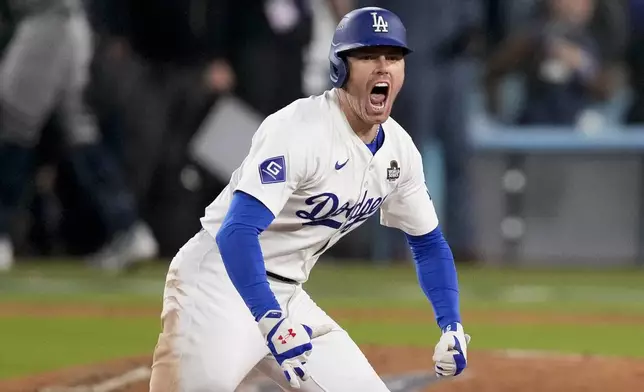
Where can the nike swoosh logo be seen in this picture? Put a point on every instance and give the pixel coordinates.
(339, 166)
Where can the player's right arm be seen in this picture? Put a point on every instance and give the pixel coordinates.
(272, 171)
(275, 168)
(238, 241)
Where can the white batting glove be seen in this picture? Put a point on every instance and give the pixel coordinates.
(450, 354)
(290, 343)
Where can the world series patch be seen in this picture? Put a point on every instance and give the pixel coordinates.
(393, 172)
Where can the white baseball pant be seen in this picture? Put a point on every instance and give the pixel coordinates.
(210, 341)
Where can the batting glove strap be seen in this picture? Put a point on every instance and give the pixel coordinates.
(450, 354)
(290, 344)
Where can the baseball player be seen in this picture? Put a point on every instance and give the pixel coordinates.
(316, 170)
(44, 71)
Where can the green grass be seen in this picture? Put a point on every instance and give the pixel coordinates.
(607, 291)
(562, 290)
(590, 339)
(34, 344)
(38, 344)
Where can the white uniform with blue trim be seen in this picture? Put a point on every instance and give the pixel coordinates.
(320, 181)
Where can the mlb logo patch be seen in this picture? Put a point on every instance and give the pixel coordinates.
(273, 170)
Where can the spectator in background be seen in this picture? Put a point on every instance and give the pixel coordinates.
(43, 73)
(264, 42)
(162, 65)
(568, 62)
(156, 74)
(635, 61)
(150, 74)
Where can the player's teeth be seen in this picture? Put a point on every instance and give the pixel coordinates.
(381, 84)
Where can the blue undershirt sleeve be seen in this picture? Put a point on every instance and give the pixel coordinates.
(436, 273)
(238, 241)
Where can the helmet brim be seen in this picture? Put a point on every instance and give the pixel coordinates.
(381, 41)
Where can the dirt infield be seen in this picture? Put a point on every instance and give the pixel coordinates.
(488, 371)
(498, 372)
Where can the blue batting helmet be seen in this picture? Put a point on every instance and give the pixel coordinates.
(364, 27)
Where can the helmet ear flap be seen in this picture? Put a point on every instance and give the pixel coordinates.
(339, 70)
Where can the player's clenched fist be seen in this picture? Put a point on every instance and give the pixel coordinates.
(450, 354)
(290, 343)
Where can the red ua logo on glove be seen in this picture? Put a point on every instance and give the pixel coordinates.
(291, 334)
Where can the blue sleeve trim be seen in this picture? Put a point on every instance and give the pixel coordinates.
(437, 276)
(238, 241)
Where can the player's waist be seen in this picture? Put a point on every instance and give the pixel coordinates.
(270, 274)
(280, 278)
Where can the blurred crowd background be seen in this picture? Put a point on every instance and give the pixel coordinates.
(527, 113)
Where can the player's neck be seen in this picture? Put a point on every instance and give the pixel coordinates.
(365, 131)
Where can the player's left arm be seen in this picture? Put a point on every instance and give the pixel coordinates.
(411, 210)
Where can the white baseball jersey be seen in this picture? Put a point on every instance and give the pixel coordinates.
(321, 181)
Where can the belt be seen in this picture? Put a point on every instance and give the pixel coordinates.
(280, 278)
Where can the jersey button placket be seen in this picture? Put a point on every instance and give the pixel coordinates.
(367, 174)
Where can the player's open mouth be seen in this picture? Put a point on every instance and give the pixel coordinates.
(378, 95)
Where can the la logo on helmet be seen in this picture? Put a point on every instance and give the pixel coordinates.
(379, 23)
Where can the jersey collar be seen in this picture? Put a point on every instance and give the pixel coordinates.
(341, 125)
